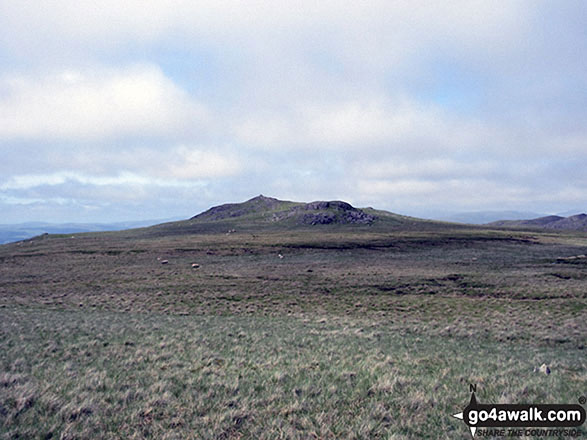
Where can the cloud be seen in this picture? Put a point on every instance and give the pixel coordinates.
(11, 200)
(190, 163)
(178, 167)
(101, 103)
(391, 104)
(28, 181)
(360, 125)
(429, 195)
(431, 169)
(163, 181)
(374, 25)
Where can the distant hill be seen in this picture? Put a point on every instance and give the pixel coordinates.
(266, 213)
(15, 232)
(274, 210)
(260, 213)
(573, 223)
(484, 217)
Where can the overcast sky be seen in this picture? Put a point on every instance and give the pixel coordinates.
(146, 109)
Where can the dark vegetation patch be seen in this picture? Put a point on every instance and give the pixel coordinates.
(569, 275)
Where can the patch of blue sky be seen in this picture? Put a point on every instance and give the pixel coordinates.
(197, 71)
(450, 85)
(326, 61)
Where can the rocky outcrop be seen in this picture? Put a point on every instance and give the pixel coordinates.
(324, 213)
(268, 209)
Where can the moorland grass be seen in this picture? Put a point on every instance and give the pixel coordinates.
(353, 334)
(107, 375)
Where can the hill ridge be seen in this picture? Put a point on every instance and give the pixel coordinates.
(274, 210)
(577, 222)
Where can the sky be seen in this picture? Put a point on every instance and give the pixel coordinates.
(147, 109)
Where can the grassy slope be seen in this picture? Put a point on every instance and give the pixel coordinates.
(364, 332)
(261, 213)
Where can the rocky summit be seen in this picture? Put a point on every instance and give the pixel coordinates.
(271, 210)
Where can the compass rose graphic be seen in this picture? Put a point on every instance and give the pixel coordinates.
(460, 416)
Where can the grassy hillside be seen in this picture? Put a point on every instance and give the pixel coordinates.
(325, 331)
(268, 214)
